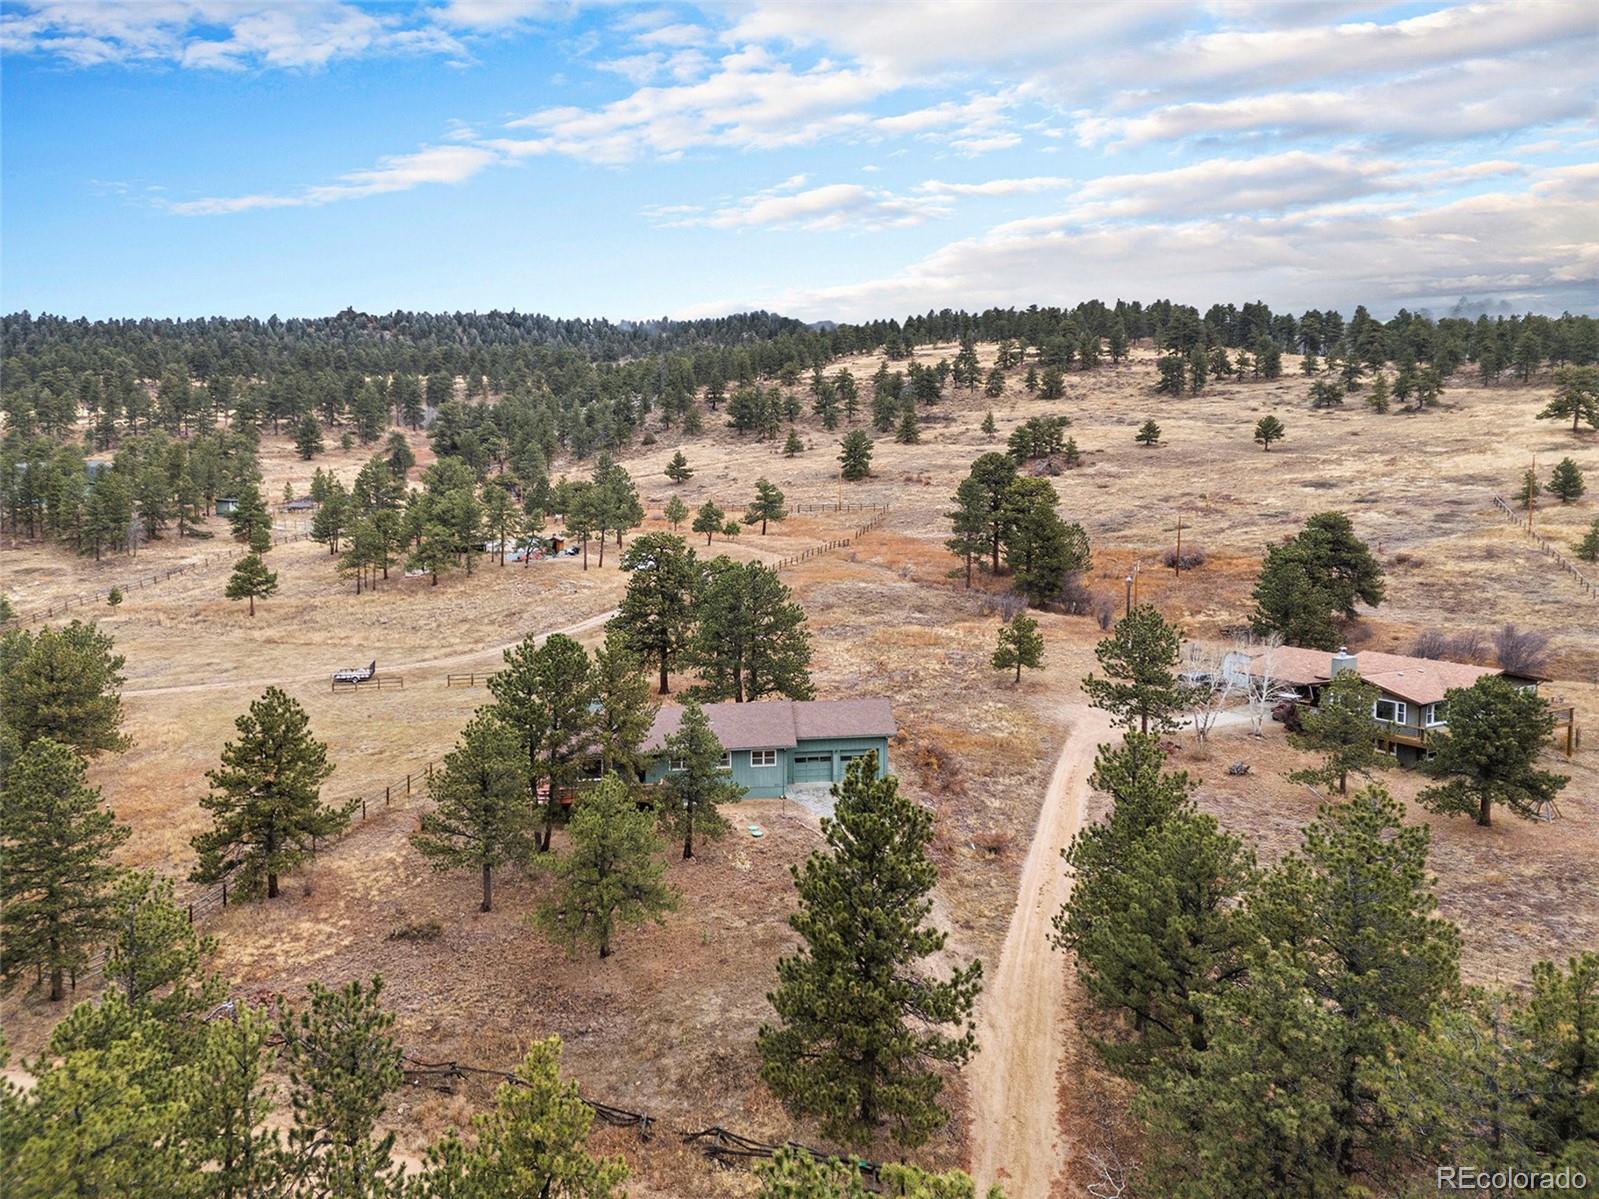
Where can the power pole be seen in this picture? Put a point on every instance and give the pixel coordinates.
(1177, 563)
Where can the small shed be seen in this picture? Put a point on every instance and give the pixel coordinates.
(227, 505)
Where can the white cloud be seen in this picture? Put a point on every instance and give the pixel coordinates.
(830, 207)
(402, 172)
(995, 187)
(1536, 246)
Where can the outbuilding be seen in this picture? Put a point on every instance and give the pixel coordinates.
(775, 743)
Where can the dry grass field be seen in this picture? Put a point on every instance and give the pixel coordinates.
(667, 1024)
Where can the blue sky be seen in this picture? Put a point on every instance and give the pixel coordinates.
(836, 159)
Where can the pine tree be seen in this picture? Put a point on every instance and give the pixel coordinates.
(612, 875)
(251, 580)
(343, 1063)
(793, 445)
(767, 505)
(908, 431)
(1588, 548)
(1565, 481)
(229, 1103)
(1576, 395)
(708, 520)
(1267, 430)
(1377, 398)
(750, 639)
(855, 455)
(332, 517)
(1355, 914)
(678, 469)
(543, 693)
(480, 816)
(995, 384)
(1558, 1029)
(1340, 727)
(154, 956)
(860, 1027)
(795, 1173)
(308, 437)
(398, 453)
(250, 519)
(1148, 434)
(1139, 658)
(988, 424)
(62, 684)
(532, 1142)
(1020, 644)
(697, 783)
(55, 889)
(992, 473)
(1042, 550)
(1030, 380)
(1172, 376)
(675, 512)
(969, 523)
(1488, 754)
(656, 613)
(1306, 584)
(265, 799)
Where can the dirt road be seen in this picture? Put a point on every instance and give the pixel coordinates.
(1014, 1131)
(456, 659)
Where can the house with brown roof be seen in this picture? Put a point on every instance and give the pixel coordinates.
(1412, 700)
(774, 743)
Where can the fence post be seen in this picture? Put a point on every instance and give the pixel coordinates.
(363, 811)
(191, 911)
(408, 784)
(385, 797)
(224, 892)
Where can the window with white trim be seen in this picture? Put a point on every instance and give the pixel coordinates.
(727, 761)
(1437, 714)
(1391, 710)
(763, 757)
(678, 764)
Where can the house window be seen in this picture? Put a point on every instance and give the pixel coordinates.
(1436, 714)
(678, 764)
(763, 757)
(1391, 710)
(726, 762)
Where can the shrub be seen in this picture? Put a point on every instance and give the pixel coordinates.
(1193, 556)
(418, 930)
(1521, 652)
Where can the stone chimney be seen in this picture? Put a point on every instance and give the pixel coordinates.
(1341, 661)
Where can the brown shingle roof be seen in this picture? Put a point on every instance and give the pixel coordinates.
(780, 723)
(1419, 680)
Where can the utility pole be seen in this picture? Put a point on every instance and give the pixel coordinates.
(1177, 563)
(1532, 490)
(1129, 607)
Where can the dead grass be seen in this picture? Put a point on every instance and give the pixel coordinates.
(667, 1025)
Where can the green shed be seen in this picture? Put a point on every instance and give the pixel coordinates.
(773, 744)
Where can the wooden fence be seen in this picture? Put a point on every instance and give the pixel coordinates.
(472, 679)
(879, 515)
(84, 599)
(1590, 587)
(378, 682)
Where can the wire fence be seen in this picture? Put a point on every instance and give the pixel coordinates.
(879, 515)
(1590, 587)
(84, 599)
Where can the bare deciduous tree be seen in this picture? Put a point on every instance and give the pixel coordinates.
(1521, 652)
(1207, 687)
(1263, 691)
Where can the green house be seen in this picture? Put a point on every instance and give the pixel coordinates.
(774, 744)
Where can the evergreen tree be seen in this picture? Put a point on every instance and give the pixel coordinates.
(1042, 550)
(793, 445)
(969, 521)
(708, 520)
(1020, 644)
(795, 1173)
(675, 512)
(1377, 398)
(855, 455)
(1148, 434)
(612, 874)
(251, 580)
(250, 519)
(859, 1026)
(1576, 395)
(1340, 727)
(988, 424)
(623, 710)
(1267, 430)
(767, 505)
(308, 437)
(1139, 658)
(62, 684)
(678, 469)
(1488, 754)
(1030, 380)
(265, 799)
(908, 431)
(55, 888)
(1588, 548)
(543, 693)
(1565, 481)
(1307, 583)
(397, 452)
(343, 1063)
(532, 1142)
(992, 473)
(750, 639)
(697, 784)
(656, 613)
(154, 956)
(332, 517)
(995, 384)
(1558, 1029)
(480, 816)
(1172, 376)
(229, 1103)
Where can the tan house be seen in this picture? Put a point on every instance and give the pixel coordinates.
(1412, 702)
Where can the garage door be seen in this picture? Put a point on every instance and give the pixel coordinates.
(813, 768)
(845, 759)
